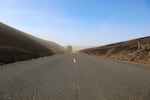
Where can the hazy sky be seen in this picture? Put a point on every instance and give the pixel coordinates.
(79, 22)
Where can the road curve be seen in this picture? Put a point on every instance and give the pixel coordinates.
(74, 77)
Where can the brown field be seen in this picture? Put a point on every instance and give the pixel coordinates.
(16, 45)
(127, 50)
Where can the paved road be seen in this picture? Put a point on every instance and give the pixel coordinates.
(74, 77)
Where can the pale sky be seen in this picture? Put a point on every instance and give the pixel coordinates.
(79, 22)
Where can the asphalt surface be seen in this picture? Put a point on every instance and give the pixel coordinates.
(74, 77)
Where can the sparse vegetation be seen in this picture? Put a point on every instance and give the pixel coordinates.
(18, 46)
(127, 50)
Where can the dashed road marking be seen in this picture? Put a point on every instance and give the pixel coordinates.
(74, 60)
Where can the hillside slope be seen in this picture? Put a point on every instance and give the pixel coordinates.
(16, 45)
(127, 50)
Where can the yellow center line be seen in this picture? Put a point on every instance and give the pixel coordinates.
(74, 60)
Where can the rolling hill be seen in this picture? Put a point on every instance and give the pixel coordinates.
(16, 45)
(136, 50)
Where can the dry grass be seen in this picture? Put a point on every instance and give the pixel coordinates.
(17, 46)
(127, 50)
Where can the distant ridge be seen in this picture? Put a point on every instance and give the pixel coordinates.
(16, 45)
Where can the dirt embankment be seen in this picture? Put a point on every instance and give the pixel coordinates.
(137, 50)
(16, 46)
